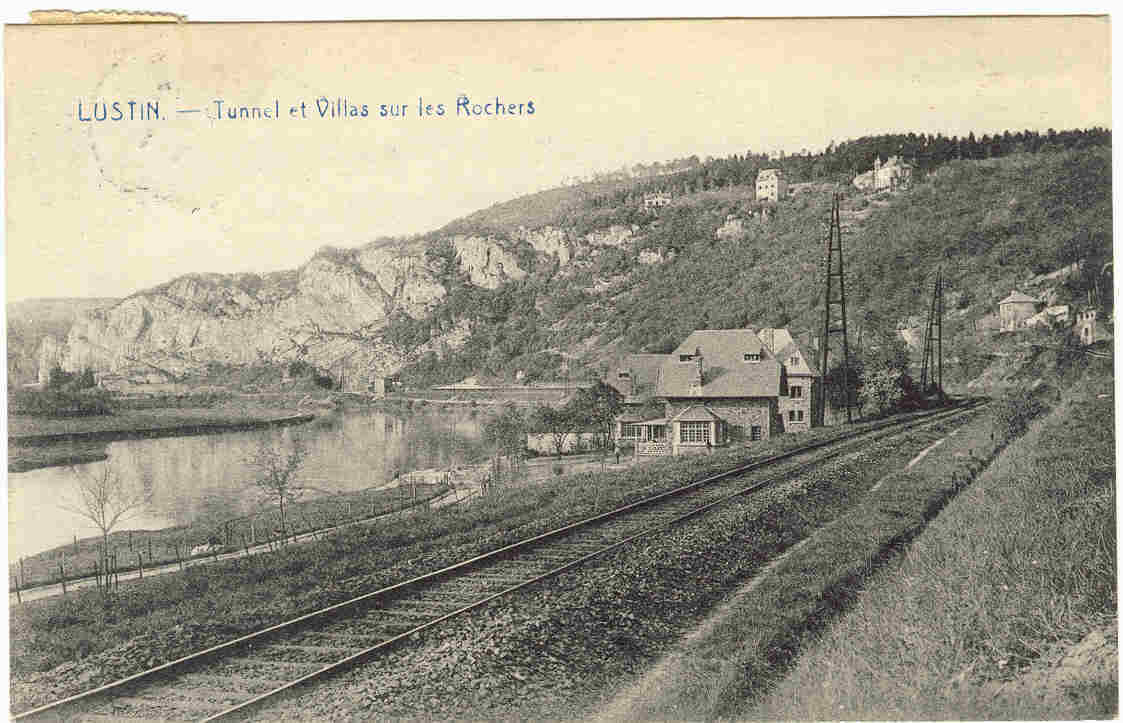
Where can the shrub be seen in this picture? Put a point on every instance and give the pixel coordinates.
(1016, 410)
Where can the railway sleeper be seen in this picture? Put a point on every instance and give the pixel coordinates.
(157, 708)
(297, 653)
(361, 640)
(235, 684)
(260, 667)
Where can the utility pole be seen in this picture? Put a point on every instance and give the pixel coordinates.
(932, 368)
(834, 323)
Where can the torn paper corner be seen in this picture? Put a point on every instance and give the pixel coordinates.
(72, 17)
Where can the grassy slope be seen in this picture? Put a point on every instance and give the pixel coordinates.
(1022, 561)
(992, 224)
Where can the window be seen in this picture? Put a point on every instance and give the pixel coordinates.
(694, 431)
(754, 433)
(793, 360)
(752, 357)
(629, 431)
(685, 357)
(622, 375)
(795, 415)
(795, 391)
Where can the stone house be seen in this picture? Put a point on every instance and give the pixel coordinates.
(656, 200)
(891, 175)
(770, 185)
(1089, 329)
(800, 380)
(1015, 309)
(719, 386)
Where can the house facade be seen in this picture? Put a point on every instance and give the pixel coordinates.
(891, 175)
(799, 384)
(1015, 309)
(770, 185)
(718, 387)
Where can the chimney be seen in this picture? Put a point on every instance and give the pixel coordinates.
(768, 337)
(701, 366)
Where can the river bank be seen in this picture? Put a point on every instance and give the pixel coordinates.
(38, 442)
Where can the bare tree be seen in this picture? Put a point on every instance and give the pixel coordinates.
(276, 475)
(105, 499)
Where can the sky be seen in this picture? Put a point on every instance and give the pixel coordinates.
(110, 208)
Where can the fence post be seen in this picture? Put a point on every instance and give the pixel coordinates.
(227, 525)
(22, 574)
(62, 577)
(75, 545)
(140, 565)
(150, 549)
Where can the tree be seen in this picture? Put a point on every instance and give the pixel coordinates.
(558, 423)
(836, 395)
(275, 472)
(597, 406)
(883, 389)
(105, 498)
(506, 433)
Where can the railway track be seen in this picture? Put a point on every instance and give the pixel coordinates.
(235, 678)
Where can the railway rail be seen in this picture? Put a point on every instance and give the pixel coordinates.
(235, 678)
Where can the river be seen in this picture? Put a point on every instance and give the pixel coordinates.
(208, 477)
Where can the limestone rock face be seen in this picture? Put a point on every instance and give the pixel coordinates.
(50, 354)
(549, 241)
(612, 236)
(327, 312)
(487, 263)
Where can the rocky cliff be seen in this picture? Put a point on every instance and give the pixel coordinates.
(328, 312)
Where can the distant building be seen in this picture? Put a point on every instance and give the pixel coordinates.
(1051, 317)
(656, 200)
(1086, 326)
(889, 176)
(770, 185)
(1015, 309)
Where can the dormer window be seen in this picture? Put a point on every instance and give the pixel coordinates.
(622, 375)
(793, 360)
(750, 357)
(685, 357)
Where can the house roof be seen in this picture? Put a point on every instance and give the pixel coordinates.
(696, 413)
(783, 346)
(802, 367)
(643, 368)
(726, 373)
(1017, 297)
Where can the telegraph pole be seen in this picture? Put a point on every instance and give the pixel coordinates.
(834, 323)
(932, 368)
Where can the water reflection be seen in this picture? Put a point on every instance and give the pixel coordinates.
(192, 478)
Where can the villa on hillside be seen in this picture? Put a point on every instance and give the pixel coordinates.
(1016, 309)
(720, 386)
(889, 176)
(770, 185)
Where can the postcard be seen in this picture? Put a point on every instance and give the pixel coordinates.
(561, 369)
